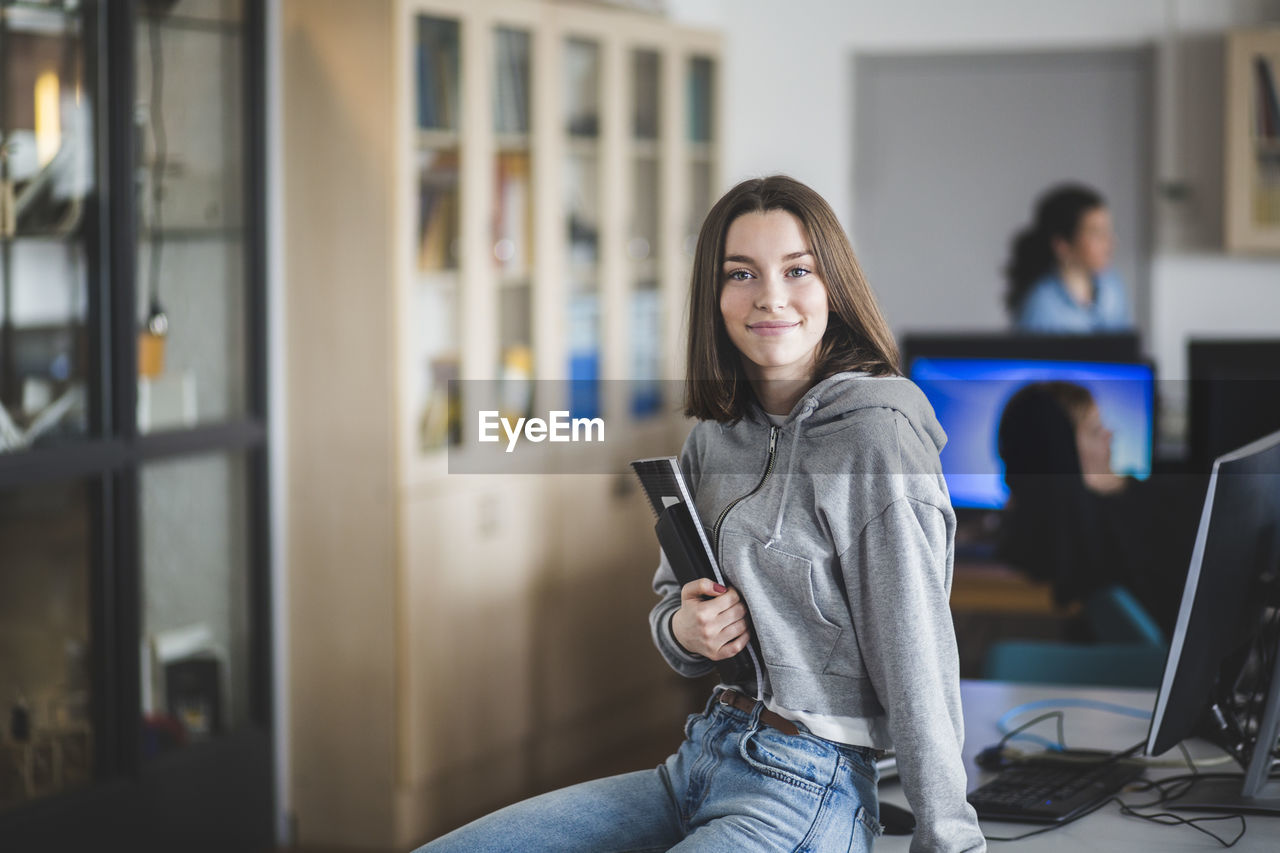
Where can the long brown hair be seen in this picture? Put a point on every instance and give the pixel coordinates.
(857, 336)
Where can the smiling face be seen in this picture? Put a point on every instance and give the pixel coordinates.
(773, 303)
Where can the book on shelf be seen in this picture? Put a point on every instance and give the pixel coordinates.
(646, 68)
(437, 210)
(436, 60)
(582, 93)
(1267, 112)
(511, 103)
(700, 104)
(440, 422)
(512, 213)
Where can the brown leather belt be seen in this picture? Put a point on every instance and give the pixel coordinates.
(769, 718)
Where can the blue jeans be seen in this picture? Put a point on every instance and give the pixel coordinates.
(734, 785)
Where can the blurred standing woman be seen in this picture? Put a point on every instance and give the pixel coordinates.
(1059, 273)
(814, 469)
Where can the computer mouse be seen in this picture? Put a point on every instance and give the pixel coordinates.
(991, 758)
(896, 820)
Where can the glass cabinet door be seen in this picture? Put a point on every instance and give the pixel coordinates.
(131, 246)
(46, 729)
(643, 249)
(512, 217)
(582, 67)
(195, 642)
(700, 137)
(47, 157)
(191, 250)
(436, 288)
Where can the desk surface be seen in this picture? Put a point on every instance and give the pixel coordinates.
(1106, 829)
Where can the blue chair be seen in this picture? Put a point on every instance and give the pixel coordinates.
(1130, 650)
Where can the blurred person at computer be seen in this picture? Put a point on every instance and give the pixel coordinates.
(1073, 522)
(1059, 272)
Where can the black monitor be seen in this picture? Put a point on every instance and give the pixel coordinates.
(1222, 676)
(1234, 395)
(1103, 347)
(969, 376)
(969, 395)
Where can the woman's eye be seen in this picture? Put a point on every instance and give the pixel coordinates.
(738, 275)
(797, 272)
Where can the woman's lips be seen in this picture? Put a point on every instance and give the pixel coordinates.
(772, 328)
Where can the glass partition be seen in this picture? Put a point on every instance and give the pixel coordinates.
(46, 729)
(195, 607)
(191, 289)
(47, 118)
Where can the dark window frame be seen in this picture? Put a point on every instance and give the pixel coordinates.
(111, 458)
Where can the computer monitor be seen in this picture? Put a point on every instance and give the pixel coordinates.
(1234, 395)
(969, 395)
(1222, 675)
(1102, 347)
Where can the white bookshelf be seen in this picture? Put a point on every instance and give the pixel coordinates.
(458, 592)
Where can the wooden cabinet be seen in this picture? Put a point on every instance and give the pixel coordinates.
(478, 191)
(1252, 192)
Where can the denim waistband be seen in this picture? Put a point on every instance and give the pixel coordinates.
(867, 753)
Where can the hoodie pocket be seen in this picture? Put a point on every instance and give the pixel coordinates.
(778, 588)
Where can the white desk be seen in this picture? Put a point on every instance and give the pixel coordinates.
(1106, 829)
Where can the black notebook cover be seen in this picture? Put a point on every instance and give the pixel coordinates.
(686, 547)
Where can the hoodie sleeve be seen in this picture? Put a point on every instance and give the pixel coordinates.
(686, 663)
(898, 576)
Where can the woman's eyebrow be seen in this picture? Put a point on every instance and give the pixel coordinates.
(743, 259)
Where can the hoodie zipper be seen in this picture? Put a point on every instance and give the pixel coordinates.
(768, 469)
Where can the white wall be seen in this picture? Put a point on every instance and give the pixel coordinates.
(789, 104)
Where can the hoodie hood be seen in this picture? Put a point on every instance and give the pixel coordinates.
(839, 402)
(831, 404)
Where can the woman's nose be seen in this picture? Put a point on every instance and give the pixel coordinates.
(772, 295)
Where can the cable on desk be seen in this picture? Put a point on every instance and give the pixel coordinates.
(1170, 819)
(1179, 786)
(1061, 745)
(1092, 704)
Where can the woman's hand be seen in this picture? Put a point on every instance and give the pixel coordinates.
(711, 621)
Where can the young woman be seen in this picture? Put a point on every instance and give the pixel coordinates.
(814, 468)
(1059, 273)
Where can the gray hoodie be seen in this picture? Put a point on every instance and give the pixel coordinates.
(837, 529)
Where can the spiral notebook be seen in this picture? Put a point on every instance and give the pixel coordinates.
(685, 544)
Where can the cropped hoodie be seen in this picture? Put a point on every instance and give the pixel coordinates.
(837, 530)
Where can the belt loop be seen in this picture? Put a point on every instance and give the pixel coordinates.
(712, 702)
(756, 710)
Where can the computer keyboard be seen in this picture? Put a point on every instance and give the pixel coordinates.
(1049, 791)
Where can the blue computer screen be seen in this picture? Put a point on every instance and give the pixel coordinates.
(969, 394)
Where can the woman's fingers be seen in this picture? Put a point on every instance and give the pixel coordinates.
(736, 644)
(711, 619)
(700, 589)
